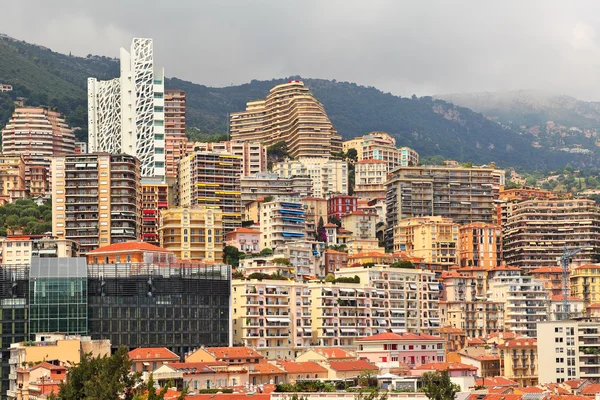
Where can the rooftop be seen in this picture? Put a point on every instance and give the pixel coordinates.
(446, 366)
(390, 336)
(152, 353)
(352, 365)
(128, 246)
(233, 352)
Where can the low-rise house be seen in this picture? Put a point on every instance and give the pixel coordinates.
(345, 370)
(302, 371)
(486, 363)
(198, 376)
(325, 354)
(459, 373)
(266, 373)
(455, 338)
(246, 240)
(229, 355)
(147, 359)
(40, 380)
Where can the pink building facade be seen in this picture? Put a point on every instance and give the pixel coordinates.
(245, 239)
(390, 350)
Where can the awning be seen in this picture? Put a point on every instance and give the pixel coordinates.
(412, 286)
(434, 286)
(346, 330)
(347, 290)
(92, 165)
(47, 251)
(309, 330)
(272, 319)
(360, 291)
(79, 165)
(146, 364)
(286, 320)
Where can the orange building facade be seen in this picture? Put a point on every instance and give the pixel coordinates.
(175, 138)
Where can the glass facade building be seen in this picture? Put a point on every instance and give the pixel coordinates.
(58, 295)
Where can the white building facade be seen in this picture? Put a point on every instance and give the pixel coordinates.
(126, 114)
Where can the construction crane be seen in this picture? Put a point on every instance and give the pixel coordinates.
(564, 261)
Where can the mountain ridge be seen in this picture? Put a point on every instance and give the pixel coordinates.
(431, 126)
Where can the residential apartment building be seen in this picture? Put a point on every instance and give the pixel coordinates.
(329, 176)
(315, 208)
(526, 302)
(290, 113)
(585, 283)
(480, 245)
(382, 146)
(18, 250)
(568, 350)
(192, 233)
(38, 135)
(246, 240)
(212, 179)
(464, 194)
(340, 205)
(282, 220)
(463, 286)
(434, 239)
(369, 178)
(476, 318)
(96, 199)
(552, 279)
(362, 224)
(537, 232)
(58, 348)
(12, 178)
(272, 316)
(519, 361)
(4, 87)
(265, 184)
(155, 198)
(305, 256)
(392, 350)
(455, 338)
(127, 114)
(253, 155)
(175, 138)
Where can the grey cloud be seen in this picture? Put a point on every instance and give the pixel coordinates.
(423, 47)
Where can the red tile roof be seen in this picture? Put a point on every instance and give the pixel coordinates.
(559, 297)
(588, 266)
(330, 225)
(390, 336)
(575, 383)
(505, 268)
(521, 342)
(265, 368)
(495, 381)
(594, 306)
(590, 389)
(306, 367)
(547, 270)
(244, 230)
(370, 160)
(446, 366)
(128, 246)
(449, 329)
(530, 389)
(473, 341)
(359, 212)
(333, 353)
(354, 365)
(152, 353)
(222, 353)
(49, 366)
(197, 367)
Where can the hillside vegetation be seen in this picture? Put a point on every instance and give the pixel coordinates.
(432, 127)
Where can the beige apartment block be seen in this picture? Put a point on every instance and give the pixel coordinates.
(315, 208)
(290, 113)
(253, 155)
(96, 199)
(194, 233)
(38, 134)
(382, 146)
(362, 224)
(19, 249)
(272, 316)
(476, 318)
(434, 239)
(537, 231)
(282, 220)
(329, 176)
(265, 184)
(369, 178)
(12, 178)
(519, 360)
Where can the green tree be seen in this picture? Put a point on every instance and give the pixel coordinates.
(403, 264)
(330, 278)
(266, 252)
(101, 378)
(437, 386)
(352, 154)
(231, 255)
(321, 232)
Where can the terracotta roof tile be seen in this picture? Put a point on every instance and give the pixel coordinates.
(244, 230)
(450, 329)
(521, 342)
(390, 336)
(473, 341)
(353, 365)
(265, 368)
(559, 297)
(591, 389)
(575, 383)
(152, 353)
(530, 389)
(547, 270)
(47, 365)
(128, 246)
(222, 353)
(301, 367)
(197, 367)
(446, 366)
(333, 353)
(496, 381)
(594, 306)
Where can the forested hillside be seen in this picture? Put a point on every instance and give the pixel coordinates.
(432, 127)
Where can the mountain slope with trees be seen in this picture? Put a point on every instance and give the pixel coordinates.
(433, 127)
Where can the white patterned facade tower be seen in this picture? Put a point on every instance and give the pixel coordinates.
(126, 114)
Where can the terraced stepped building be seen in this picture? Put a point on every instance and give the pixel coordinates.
(292, 114)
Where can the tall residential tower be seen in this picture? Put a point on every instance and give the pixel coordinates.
(126, 114)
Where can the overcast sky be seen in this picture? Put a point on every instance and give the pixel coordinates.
(404, 47)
